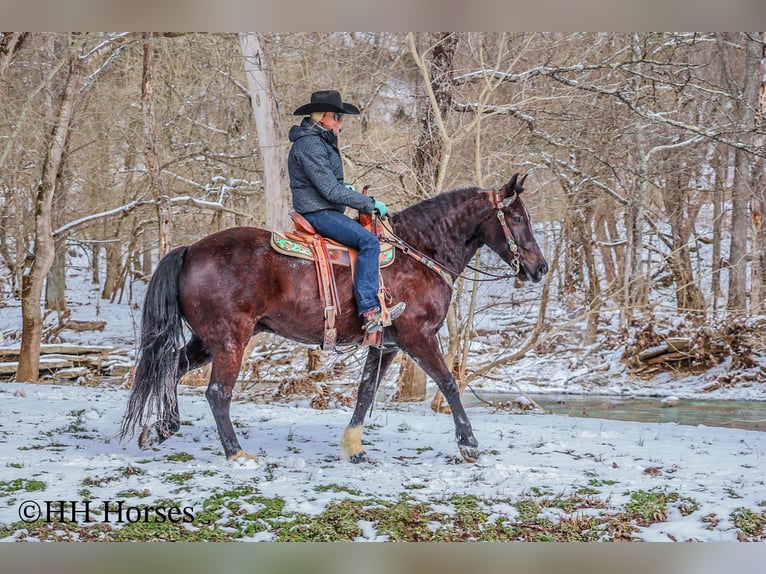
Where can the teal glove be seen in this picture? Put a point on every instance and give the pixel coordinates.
(349, 186)
(381, 208)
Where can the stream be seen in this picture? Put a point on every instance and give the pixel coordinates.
(747, 415)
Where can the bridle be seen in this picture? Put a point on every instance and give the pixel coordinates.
(446, 273)
(499, 205)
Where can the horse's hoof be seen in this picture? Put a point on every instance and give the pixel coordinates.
(358, 458)
(149, 437)
(242, 456)
(470, 453)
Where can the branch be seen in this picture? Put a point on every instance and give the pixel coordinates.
(124, 210)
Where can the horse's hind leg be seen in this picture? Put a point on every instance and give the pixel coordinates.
(193, 356)
(378, 360)
(223, 376)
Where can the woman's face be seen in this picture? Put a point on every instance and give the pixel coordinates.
(332, 121)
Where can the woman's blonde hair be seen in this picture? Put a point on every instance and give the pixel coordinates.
(316, 117)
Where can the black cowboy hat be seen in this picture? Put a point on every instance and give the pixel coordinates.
(326, 101)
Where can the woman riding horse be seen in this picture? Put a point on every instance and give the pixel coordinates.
(232, 285)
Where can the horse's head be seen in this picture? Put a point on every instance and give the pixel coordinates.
(510, 235)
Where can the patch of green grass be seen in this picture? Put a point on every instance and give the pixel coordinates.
(21, 484)
(528, 510)
(687, 506)
(648, 507)
(338, 522)
(337, 488)
(179, 457)
(596, 482)
(52, 445)
(75, 426)
(179, 478)
(133, 493)
(123, 471)
(750, 523)
(540, 491)
(587, 490)
(243, 512)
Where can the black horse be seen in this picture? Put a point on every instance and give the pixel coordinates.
(232, 284)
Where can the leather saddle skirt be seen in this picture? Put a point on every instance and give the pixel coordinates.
(296, 244)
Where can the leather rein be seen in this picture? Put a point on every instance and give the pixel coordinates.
(445, 272)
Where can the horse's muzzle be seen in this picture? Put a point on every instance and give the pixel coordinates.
(534, 276)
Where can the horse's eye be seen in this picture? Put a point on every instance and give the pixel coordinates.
(517, 219)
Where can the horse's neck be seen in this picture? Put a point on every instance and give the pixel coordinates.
(449, 239)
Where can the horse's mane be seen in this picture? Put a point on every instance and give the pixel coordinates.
(432, 208)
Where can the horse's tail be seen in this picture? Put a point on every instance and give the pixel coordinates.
(161, 341)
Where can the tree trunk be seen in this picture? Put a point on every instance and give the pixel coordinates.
(743, 113)
(164, 217)
(112, 269)
(427, 163)
(689, 298)
(412, 383)
(759, 200)
(717, 232)
(44, 249)
(605, 234)
(95, 268)
(269, 128)
(55, 286)
(10, 43)
(427, 160)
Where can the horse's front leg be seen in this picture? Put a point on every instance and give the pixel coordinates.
(378, 361)
(425, 351)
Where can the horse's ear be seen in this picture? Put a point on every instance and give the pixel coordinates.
(510, 187)
(520, 184)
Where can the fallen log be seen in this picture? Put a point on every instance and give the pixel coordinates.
(60, 349)
(10, 368)
(80, 326)
(71, 374)
(671, 345)
(667, 358)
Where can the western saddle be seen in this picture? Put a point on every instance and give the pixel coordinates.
(304, 242)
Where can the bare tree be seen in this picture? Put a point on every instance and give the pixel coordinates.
(744, 95)
(41, 260)
(164, 215)
(430, 157)
(10, 43)
(269, 127)
(759, 199)
(83, 61)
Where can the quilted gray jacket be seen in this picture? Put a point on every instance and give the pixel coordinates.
(316, 172)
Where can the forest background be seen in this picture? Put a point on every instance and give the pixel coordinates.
(645, 155)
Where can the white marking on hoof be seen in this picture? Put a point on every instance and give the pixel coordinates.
(149, 437)
(351, 443)
(242, 455)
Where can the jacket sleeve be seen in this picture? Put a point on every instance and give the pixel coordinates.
(316, 167)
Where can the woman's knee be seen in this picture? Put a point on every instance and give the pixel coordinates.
(369, 243)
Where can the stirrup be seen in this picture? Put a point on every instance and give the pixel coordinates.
(374, 322)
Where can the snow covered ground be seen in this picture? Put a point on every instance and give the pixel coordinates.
(643, 481)
(57, 444)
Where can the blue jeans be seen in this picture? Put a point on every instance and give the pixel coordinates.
(335, 225)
